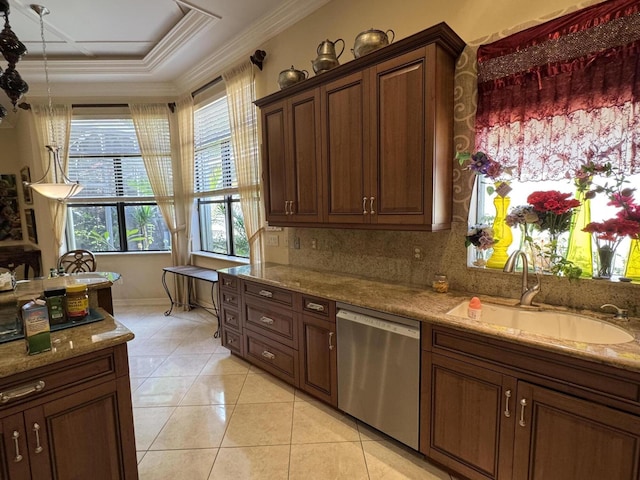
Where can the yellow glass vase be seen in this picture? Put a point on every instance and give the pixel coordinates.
(632, 270)
(502, 232)
(580, 250)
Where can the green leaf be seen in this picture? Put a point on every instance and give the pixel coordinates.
(463, 157)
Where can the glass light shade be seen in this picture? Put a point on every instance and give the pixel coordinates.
(57, 191)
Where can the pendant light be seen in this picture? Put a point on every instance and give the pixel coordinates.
(63, 187)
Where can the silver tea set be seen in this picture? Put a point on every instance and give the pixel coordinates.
(327, 58)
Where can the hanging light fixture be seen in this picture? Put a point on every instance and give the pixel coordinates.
(12, 50)
(63, 187)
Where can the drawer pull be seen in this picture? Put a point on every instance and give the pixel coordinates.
(265, 293)
(523, 403)
(227, 283)
(330, 340)
(268, 355)
(364, 205)
(230, 341)
(21, 391)
(371, 210)
(36, 430)
(507, 412)
(315, 306)
(229, 299)
(231, 318)
(16, 436)
(266, 320)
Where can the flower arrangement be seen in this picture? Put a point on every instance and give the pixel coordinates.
(608, 235)
(481, 164)
(554, 210)
(480, 236)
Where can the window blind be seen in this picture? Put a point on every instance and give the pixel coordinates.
(214, 164)
(104, 156)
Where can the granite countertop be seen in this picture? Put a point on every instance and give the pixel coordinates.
(68, 343)
(424, 304)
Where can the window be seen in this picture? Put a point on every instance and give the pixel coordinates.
(220, 217)
(115, 211)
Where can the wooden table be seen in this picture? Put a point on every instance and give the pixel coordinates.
(193, 273)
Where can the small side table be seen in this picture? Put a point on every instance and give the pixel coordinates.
(193, 273)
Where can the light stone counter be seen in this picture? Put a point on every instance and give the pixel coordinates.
(68, 343)
(422, 303)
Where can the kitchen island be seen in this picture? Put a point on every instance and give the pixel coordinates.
(495, 402)
(67, 413)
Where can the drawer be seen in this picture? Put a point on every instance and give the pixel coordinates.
(229, 298)
(269, 293)
(279, 324)
(272, 356)
(228, 282)
(233, 341)
(231, 318)
(100, 366)
(319, 306)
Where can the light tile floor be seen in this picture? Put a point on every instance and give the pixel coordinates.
(202, 414)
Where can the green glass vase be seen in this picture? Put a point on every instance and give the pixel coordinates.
(632, 270)
(502, 232)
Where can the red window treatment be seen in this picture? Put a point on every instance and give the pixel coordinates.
(557, 93)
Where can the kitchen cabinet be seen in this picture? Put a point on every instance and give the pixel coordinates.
(318, 353)
(291, 159)
(529, 418)
(230, 323)
(71, 419)
(386, 138)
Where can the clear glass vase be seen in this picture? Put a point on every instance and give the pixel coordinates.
(605, 258)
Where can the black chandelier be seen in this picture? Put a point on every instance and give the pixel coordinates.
(12, 50)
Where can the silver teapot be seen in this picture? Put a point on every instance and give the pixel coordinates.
(327, 58)
(370, 40)
(291, 76)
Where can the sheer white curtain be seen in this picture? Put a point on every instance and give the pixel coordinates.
(239, 83)
(151, 122)
(53, 127)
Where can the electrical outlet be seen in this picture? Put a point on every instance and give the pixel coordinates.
(272, 240)
(314, 244)
(417, 253)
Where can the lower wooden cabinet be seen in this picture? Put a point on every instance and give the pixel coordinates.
(492, 422)
(77, 431)
(318, 358)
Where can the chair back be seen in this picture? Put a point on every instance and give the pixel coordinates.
(75, 261)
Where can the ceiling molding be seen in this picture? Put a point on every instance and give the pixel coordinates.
(191, 24)
(267, 27)
(104, 89)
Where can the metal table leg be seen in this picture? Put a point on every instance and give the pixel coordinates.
(166, 289)
(215, 307)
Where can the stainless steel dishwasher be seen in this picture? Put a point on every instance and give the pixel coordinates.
(379, 370)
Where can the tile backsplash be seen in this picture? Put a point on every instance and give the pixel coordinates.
(415, 257)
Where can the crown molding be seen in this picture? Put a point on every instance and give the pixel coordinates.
(286, 15)
(104, 89)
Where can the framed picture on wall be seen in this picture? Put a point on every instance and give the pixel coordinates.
(32, 233)
(25, 176)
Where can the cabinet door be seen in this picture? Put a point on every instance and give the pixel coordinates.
(559, 437)
(401, 161)
(14, 456)
(275, 159)
(318, 357)
(345, 149)
(304, 174)
(467, 417)
(83, 436)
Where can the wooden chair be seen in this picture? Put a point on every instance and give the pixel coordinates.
(75, 261)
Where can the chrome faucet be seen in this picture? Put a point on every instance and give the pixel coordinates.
(527, 293)
(621, 313)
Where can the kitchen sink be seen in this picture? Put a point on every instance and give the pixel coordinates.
(556, 324)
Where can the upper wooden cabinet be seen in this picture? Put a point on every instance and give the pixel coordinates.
(368, 144)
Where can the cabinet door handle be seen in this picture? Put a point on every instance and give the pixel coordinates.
(286, 207)
(16, 436)
(315, 306)
(36, 430)
(267, 320)
(371, 210)
(291, 210)
(364, 205)
(523, 403)
(268, 355)
(21, 391)
(265, 293)
(330, 340)
(507, 412)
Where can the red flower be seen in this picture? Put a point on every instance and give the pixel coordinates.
(613, 229)
(552, 201)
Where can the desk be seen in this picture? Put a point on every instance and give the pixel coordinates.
(13, 256)
(196, 273)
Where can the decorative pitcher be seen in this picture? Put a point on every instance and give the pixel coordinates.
(327, 58)
(291, 76)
